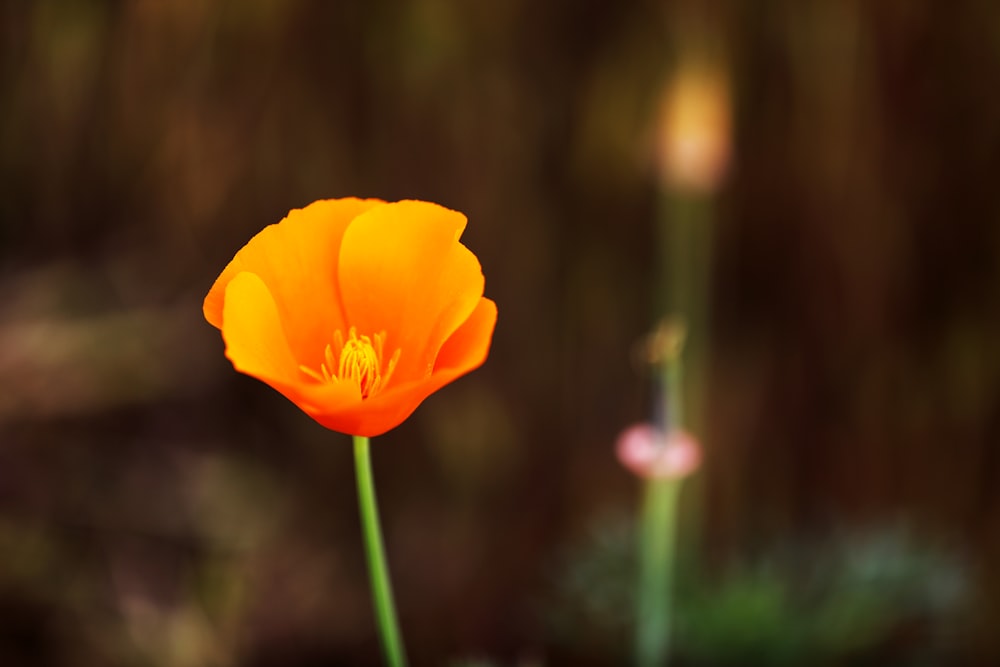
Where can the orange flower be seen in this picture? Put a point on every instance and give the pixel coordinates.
(356, 310)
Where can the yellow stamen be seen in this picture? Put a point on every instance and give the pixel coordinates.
(358, 359)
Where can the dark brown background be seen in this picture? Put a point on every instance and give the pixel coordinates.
(158, 508)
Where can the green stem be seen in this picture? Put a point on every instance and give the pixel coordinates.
(658, 532)
(378, 571)
(656, 566)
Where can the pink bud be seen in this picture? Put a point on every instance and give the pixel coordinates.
(651, 454)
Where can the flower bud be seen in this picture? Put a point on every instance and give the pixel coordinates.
(652, 454)
(693, 142)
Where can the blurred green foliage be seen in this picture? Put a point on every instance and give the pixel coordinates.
(879, 595)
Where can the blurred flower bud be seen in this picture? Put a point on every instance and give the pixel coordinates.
(693, 142)
(651, 454)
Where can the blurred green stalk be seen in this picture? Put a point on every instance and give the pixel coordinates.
(686, 232)
(693, 145)
(678, 348)
(658, 530)
(656, 566)
(378, 571)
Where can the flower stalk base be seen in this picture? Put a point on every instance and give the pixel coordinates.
(378, 571)
(656, 566)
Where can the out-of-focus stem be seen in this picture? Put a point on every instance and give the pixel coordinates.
(656, 565)
(686, 233)
(658, 531)
(678, 346)
(693, 156)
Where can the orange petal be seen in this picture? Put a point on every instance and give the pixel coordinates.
(402, 270)
(465, 351)
(255, 341)
(324, 401)
(297, 260)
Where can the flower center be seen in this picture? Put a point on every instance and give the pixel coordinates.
(358, 359)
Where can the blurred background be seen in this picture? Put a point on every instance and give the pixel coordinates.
(839, 159)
